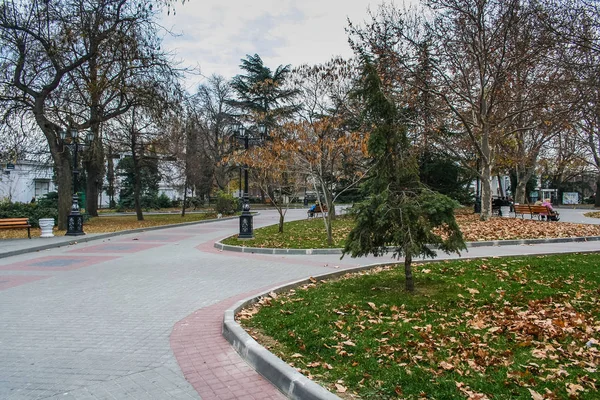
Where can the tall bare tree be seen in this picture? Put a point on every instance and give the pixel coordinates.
(458, 64)
(54, 68)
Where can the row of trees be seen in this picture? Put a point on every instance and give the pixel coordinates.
(496, 84)
(84, 65)
(485, 87)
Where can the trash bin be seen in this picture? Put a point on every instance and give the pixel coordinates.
(81, 200)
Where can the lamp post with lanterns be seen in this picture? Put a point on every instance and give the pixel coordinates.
(75, 219)
(246, 219)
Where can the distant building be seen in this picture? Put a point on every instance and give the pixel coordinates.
(23, 180)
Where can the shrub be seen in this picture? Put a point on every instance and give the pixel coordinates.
(164, 201)
(49, 200)
(225, 203)
(33, 211)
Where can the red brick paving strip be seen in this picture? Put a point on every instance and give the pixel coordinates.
(209, 362)
(8, 281)
(56, 263)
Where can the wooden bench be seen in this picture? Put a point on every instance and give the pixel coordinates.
(533, 210)
(15, 223)
(320, 209)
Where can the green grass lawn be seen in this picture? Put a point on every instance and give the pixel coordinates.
(301, 234)
(310, 234)
(497, 328)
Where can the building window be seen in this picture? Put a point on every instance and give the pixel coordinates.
(41, 188)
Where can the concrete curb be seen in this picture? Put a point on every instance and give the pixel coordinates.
(283, 376)
(261, 250)
(289, 381)
(100, 236)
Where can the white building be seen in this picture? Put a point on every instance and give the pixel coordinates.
(23, 180)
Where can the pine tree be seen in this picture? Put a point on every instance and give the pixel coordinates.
(399, 213)
(262, 92)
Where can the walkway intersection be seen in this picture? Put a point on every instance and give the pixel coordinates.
(138, 316)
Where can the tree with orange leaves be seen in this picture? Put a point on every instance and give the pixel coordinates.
(329, 155)
(271, 169)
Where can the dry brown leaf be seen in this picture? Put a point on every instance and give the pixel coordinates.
(340, 388)
(447, 366)
(573, 388)
(535, 395)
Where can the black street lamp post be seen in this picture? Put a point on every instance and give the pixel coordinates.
(75, 219)
(246, 219)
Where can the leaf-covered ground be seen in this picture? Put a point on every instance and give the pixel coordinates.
(310, 234)
(105, 224)
(501, 328)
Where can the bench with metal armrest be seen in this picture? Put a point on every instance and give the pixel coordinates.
(15, 223)
(538, 211)
(319, 209)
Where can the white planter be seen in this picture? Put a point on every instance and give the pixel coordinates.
(505, 211)
(46, 225)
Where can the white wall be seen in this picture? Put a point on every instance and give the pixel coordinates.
(18, 184)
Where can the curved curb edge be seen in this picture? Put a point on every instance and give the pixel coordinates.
(512, 242)
(100, 236)
(290, 382)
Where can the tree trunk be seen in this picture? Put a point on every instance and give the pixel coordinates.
(520, 192)
(110, 177)
(328, 228)
(486, 191)
(95, 176)
(95, 154)
(281, 219)
(185, 188)
(410, 283)
(137, 189)
(64, 180)
(62, 164)
(522, 178)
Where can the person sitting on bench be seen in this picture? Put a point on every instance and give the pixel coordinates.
(552, 215)
(311, 210)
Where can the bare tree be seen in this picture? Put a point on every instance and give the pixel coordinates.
(55, 68)
(461, 67)
(213, 115)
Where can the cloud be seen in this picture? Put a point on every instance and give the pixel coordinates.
(217, 34)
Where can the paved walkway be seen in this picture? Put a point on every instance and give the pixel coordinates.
(138, 316)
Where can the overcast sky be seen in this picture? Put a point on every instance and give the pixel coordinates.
(216, 34)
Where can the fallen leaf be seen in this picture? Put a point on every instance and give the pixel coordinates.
(447, 366)
(340, 388)
(535, 395)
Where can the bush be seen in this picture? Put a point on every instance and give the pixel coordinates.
(164, 201)
(225, 203)
(49, 200)
(33, 211)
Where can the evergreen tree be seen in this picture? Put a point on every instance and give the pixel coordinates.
(149, 183)
(262, 92)
(399, 211)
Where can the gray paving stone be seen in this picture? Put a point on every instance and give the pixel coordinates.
(102, 331)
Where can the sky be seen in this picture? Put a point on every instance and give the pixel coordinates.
(215, 35)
